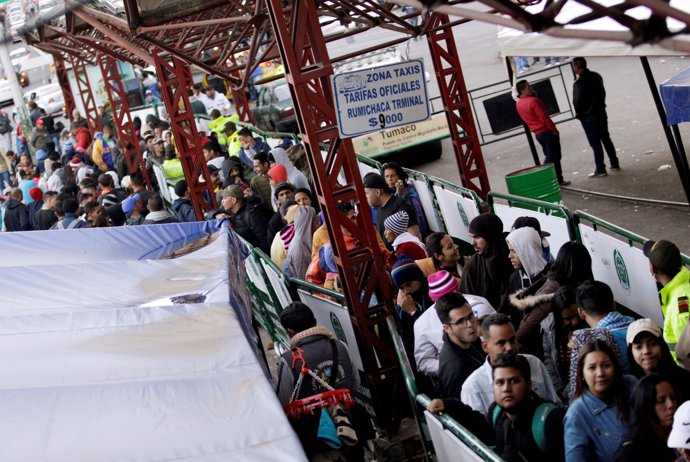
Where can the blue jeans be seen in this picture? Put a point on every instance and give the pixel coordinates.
(551, 144)
(5, 180)
(597, 132)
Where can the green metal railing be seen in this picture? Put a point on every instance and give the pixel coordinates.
(547, 208)
(629, 236)
(420, 402)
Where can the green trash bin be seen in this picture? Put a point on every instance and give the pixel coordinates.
(536, 183)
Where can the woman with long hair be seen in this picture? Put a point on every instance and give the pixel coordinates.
(443, 254)
(648, 353)
(653, 405)
(398, 181)
(597, 421)
(557, 330)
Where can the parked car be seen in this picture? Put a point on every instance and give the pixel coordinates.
(49, 97)
(274, 110)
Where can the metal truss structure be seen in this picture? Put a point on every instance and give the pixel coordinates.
(86, 95)
(457, 105)
(176, 78)
(127, 133)
(361, 268)
(231, 38)
(63, 80)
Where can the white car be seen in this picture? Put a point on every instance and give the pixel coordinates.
(49, 97)
(5, 92)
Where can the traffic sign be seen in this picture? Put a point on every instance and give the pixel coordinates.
(382, 97)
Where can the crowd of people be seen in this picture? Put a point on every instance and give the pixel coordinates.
(524, 348)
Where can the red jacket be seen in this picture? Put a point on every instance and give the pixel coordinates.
(83, 138)
(535, 114)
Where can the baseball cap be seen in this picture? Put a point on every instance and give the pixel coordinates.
(375, 181)
(157, 140)
(664, 256)
(232, 191)
(531, 222)
(39, 122)
(639, 326)
(212, 169)
(286, 143)
(680, 433)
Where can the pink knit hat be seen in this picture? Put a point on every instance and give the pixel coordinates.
(441, 283)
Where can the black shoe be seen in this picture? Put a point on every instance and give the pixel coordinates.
(596, 174)
(564, 183)
(617, 168)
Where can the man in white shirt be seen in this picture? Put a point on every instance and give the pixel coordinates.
(428, 333)
(499, 337)
(214, 100)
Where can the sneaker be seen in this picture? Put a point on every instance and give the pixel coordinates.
(616, 168)
(564, 183)
(596, 174)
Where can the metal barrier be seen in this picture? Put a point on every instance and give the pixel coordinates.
(443, 438)
(457, 207)
(553, 218)
(422, 184)
(617, 260)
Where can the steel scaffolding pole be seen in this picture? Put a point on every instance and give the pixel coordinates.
(87, 98)
(456, 103)
(175, 79)
(63, 80)
(127, 134)
(361, 269)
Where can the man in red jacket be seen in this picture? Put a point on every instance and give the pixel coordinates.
(535, 114)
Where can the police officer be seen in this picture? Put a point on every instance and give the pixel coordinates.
(666, 266)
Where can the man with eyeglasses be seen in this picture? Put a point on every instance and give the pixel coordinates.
(499, 337)
(462, 350)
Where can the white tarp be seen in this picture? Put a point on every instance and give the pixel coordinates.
(512, 42)
(99, 363)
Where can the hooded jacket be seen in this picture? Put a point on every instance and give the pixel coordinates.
(527, 244)
(251, 223)
(16, 216)
(184, 210)
(534, 303)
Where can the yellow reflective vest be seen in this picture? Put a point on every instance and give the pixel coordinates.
(675, 299)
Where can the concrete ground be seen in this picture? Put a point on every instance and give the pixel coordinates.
(647, 168)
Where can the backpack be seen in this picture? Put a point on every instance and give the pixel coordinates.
(538, 421)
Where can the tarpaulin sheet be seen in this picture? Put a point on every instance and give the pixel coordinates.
(675, 93)
(513, 42)
(101, 362)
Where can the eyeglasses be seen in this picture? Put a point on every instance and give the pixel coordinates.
(464, 322)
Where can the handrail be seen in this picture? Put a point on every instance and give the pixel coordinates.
(316, 288)
(263, 134)
(459, 189)
(550, 206)
(579, 215)
(461, 432)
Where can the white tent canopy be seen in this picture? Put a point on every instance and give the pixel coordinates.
(512, 42)
(132, 359)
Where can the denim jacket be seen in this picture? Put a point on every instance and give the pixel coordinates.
(593, 430)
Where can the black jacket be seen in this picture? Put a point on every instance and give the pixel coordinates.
(644, 447)
(44, 219)
(589, 95)
(455, 364)
(251, 223)
(16, 216)
(275, 224)
(514, 439)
